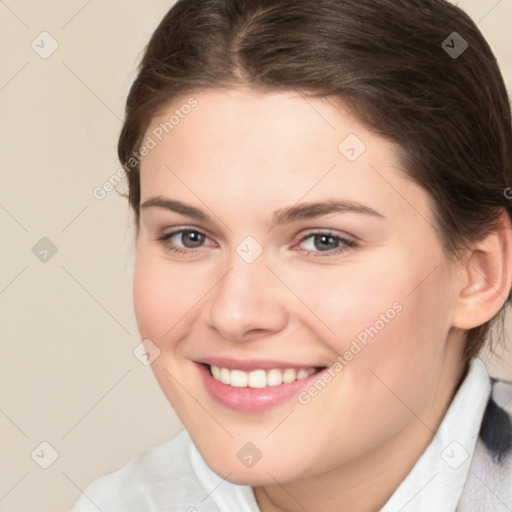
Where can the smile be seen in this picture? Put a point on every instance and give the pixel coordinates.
(258, 387)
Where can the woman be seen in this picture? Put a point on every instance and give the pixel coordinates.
(323, 244)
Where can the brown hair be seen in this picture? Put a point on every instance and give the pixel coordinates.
(390, 61)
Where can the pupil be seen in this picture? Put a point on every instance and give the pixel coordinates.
(325, 242)
(193, 237)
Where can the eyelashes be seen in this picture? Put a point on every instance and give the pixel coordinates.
(317, 241)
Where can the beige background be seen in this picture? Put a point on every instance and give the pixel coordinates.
(68, 375)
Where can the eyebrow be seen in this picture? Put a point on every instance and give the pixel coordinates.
(287, 215)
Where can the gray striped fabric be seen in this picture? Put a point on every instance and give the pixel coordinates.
(489, 483)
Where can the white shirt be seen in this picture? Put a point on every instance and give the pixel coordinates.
(174, 477)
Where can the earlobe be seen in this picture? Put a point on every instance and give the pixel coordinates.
(486, 278)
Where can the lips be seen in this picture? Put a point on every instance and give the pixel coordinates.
(254, 386)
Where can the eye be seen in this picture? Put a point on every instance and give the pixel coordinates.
(189, 239)
(315, 243)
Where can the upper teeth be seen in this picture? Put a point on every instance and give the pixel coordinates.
(259, 378)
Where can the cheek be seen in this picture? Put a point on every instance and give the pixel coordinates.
(349, 300)
(163, 302)
(162, 296)
(384, 316)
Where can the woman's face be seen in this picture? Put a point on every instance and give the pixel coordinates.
(278, 237)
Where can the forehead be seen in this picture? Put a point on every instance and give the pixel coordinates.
(280, 146)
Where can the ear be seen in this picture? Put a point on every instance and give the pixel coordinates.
(486, 277)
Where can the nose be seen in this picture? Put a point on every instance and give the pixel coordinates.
(247, 303)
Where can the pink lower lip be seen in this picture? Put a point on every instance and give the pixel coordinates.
(252, 399)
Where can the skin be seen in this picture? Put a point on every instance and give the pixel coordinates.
(238, 156)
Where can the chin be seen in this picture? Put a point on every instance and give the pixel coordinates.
(265, 471)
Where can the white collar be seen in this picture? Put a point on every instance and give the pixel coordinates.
(437, 480)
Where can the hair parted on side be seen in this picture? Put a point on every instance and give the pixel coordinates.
(450, 117)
